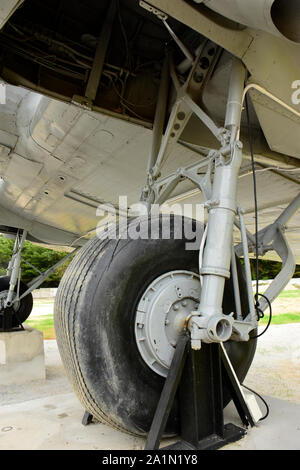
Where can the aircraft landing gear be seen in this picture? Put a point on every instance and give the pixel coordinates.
(13, 316)
(16, 299)
(117, 295)
(13, 310)
(123, 302)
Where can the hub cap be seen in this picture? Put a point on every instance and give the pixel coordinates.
(3, 297)
(161, 315)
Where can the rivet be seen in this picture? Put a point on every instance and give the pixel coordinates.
(181, 116)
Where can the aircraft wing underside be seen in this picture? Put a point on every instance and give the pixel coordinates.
(66, 147)
(59, 163)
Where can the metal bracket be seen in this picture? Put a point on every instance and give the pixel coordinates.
(155, 11)
(183, 108)
(36, 282)
(220, 202)
(198, 375)
(272, 238)
(163, 17)
(163, 187)
(185, 105)
(87, 418)
(14, 268)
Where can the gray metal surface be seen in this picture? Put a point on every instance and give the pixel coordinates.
(58, 160)
(156, 328)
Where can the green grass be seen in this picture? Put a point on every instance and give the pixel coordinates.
(282, 319)
(287, 294)
(290, 294)
(44, 323)
(38, 302)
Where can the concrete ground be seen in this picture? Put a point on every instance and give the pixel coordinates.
(47, 415)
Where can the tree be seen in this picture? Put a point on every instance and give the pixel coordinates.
(41, 258)
(44, 258)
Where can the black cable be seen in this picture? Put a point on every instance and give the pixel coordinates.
(270, 316)
(260, 313)
(261, 398)
(255, 198)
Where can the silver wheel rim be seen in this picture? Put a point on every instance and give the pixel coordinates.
(3, 297)
(161, 315)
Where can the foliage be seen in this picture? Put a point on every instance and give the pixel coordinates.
(41, 258)
(268, 269)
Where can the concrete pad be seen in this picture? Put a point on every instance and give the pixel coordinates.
(280, 431)
(21, 356)
(46, 414)
(54, 423)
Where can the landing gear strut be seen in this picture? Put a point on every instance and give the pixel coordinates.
(13, 311)
(123, 303)
(16, 299)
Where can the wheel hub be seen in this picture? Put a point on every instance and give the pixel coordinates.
(161, 315)
(3, 297)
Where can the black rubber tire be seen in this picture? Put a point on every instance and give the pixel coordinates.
(26, 303)
(94, 322)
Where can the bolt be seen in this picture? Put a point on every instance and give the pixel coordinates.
(175, 307)
(198, 77)
(184, 303)
(181, 116)
(167, 322)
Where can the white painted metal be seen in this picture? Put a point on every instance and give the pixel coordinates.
(57, 161)
(161, 315)
(258, 14)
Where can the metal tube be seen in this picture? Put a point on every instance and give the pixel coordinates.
(179, 43)
(282, 248)
(96, 72)
(247, 266)
(15, 270)
(40, 279)
(236, 287)
(235, 98)
(289, 212)
(160, 114)
(209, 123)
(217, 253)
(187, 63)
(11, 262)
